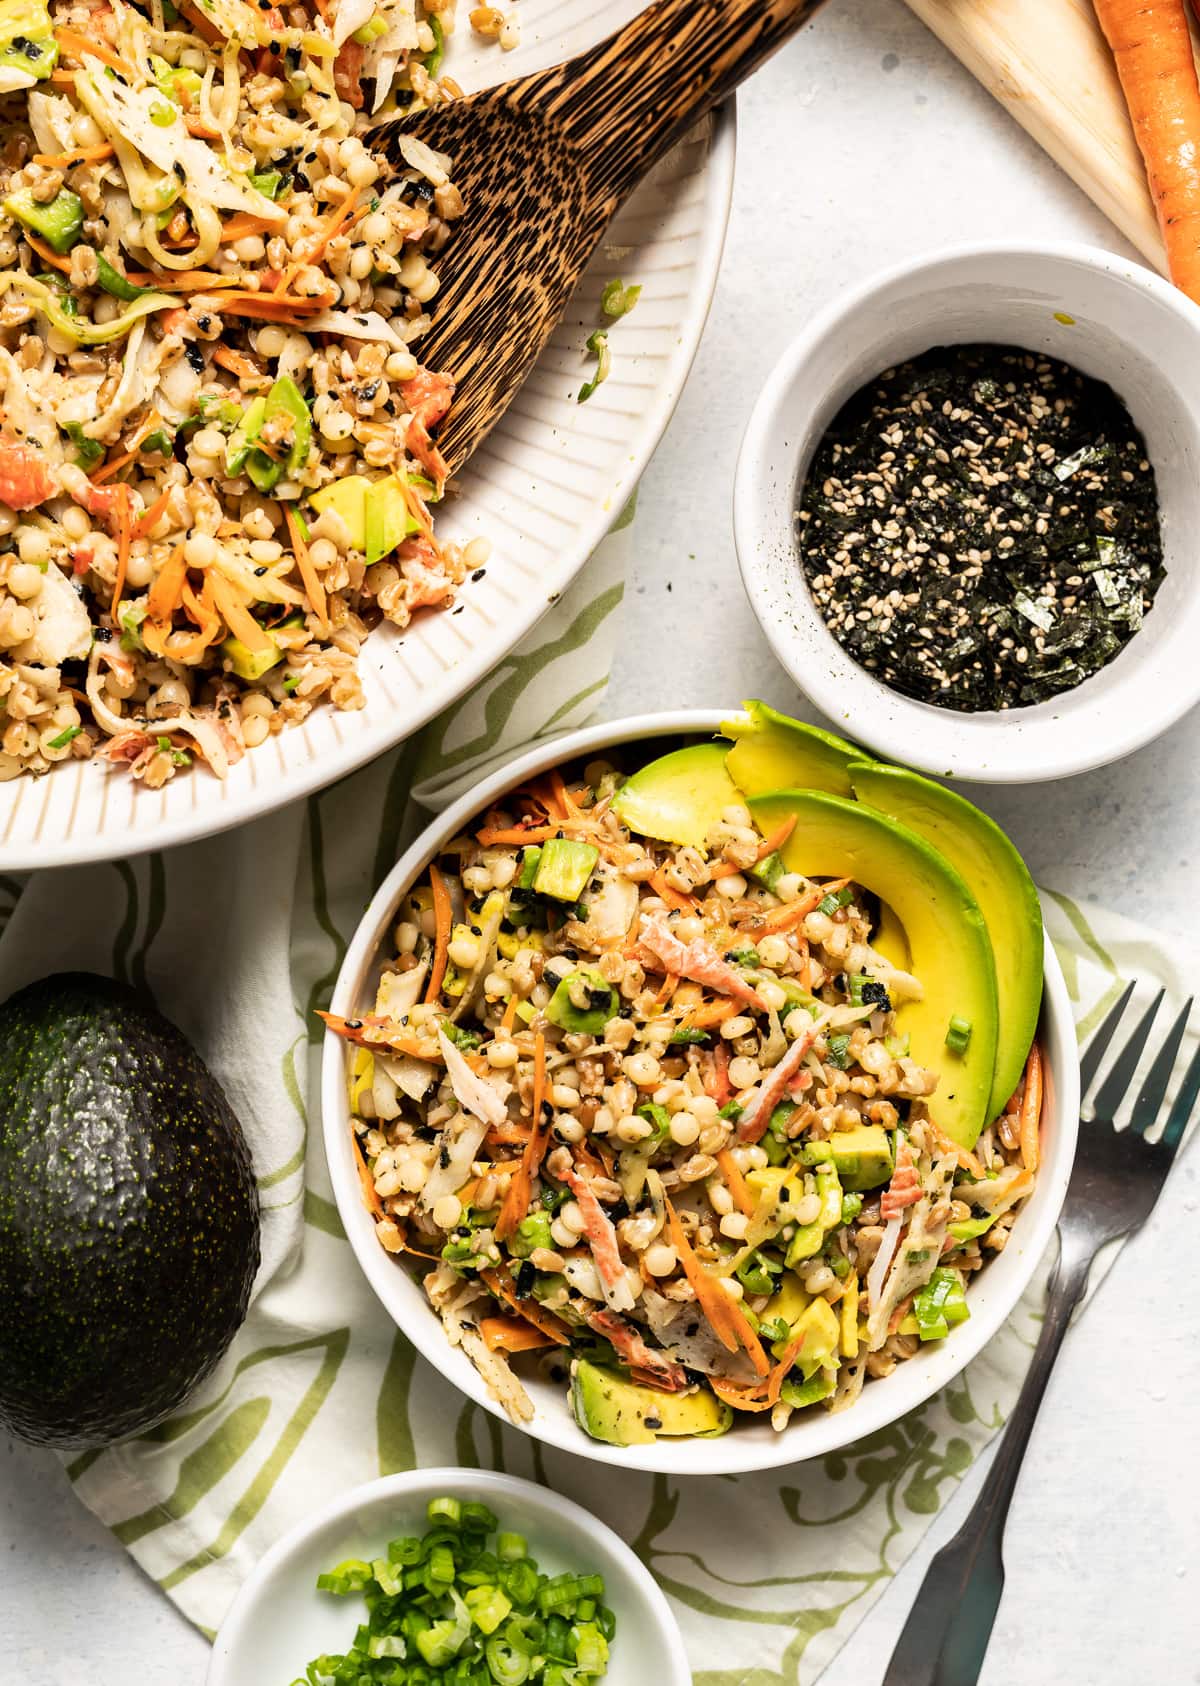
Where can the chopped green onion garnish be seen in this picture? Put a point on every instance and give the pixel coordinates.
(618, 300)
(65, 736)
(958, 1035)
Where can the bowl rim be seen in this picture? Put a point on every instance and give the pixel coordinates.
(731, 1453)
(827, 681)
(484, 1483)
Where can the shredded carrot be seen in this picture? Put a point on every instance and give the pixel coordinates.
(712, 1299)
(46, 253)
(124, 540)
(515, 835)
(182, 281)
(203, 131)
(769, 846)
(371, 1199)
(323, 10)
(149, 516)
(201, 24)
(511, 1334)
(736, 1183)
(237, 616)
(762, 1395)
(562, 795)
(80, 155)
(313, 588)
(1152, 45)
(114, 465)
(167, 591)
(510, 1013)
(78, 45)
(443, 915)
(501, 1284)
(327, 229)
(667, 989)
(511, 1134)
(784, 918)
(1031, 1110)
(239, 364)
(357, 1033)
(673, 897)
(245, 222)
(520, 1187)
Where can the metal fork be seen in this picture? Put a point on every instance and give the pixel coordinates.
(1116, 1180)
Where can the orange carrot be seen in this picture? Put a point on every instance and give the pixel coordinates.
(1152, 46)
(244, 223)
(501, 1284)
(710, 1013)
(329, 226)
(357, 1033)
(736, 1183)
(1031, 1110)
(784, 918)
(114, 465)
(78, 45)
(520, 1187)
(673, 897)
(512, 1334)
(443, 919)
(712, 1299)
(80, 155)
(314, 590)
(45, 252)
(148, 517)
(762, 1395)
(240, 365)
(371, 1199)
(167, 590)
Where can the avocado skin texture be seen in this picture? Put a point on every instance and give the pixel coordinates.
(129, 1222)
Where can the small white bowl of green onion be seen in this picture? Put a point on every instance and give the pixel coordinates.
(446, 1576)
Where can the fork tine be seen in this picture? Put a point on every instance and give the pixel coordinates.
(1112, 1091)
(1181, 1112)
(1150, 1096)
(1089, 1064)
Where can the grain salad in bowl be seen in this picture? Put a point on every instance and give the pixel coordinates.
(668, 1122)
(216, 464)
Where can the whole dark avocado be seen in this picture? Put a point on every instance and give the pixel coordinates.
(129, 1224)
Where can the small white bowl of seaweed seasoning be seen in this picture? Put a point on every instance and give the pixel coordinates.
(1066, 648)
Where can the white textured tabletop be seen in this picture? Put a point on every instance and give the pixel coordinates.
(861, 143)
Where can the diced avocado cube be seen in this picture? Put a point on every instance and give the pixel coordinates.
(609, 1408)
(582, 1003)
(241, 440)
(27, 41)
(565, 868)
(250, 664)
(388, 520)
(862, 1157)
(348, 499)
(59, 222)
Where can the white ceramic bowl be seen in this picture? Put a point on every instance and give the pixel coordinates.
(279, 1621)
(752, 1444)
(1107, 316)
(544, 488)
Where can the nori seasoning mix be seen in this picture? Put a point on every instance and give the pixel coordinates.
(979, 527)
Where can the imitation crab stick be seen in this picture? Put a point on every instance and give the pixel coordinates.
(1152, 46)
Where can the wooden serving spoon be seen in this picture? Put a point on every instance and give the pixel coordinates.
(543, 164)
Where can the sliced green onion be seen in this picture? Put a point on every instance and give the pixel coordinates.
(958, 1034)
(618, 300)
(65, 736)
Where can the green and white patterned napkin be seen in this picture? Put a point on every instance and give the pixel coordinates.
(238, 939)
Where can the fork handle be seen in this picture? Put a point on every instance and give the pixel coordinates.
(624, 103)
(945, 1639)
